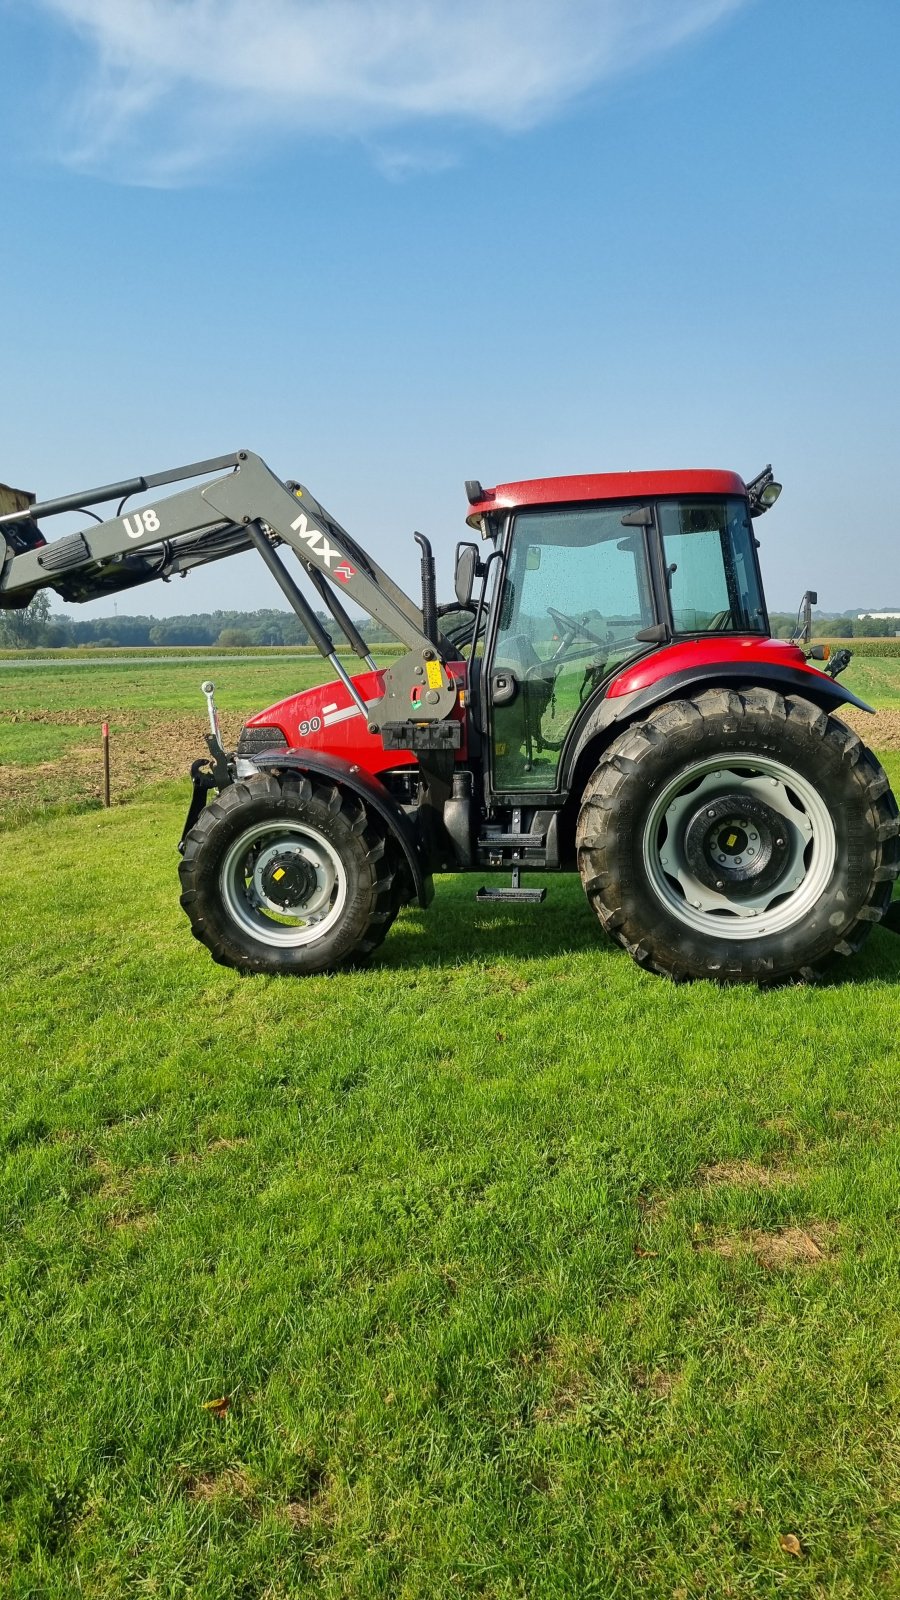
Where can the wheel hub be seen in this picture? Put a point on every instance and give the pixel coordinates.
(736, 844)
(288, 879)
(284, 882)
(739, 846)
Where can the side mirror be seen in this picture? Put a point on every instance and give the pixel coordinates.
(467, 567)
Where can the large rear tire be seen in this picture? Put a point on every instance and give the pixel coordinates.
(282, 875)
(745, 837)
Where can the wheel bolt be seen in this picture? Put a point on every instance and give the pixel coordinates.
(738, 860)
(719, 883)
(710, 813)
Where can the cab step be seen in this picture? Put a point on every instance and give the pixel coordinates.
(522, 841)
(514, 892)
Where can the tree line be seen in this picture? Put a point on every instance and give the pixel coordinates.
(36, 627)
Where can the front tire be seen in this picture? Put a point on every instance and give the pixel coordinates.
(745, 837)
(281, 875)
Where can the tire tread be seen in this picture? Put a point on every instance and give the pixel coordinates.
(769, 712)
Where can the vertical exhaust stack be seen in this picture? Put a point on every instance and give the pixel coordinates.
(429, 589)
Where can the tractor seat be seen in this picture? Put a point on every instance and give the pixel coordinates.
(518, 655)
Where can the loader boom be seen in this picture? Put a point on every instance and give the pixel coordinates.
(243, 507)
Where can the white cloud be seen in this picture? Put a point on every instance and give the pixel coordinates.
(176, 85)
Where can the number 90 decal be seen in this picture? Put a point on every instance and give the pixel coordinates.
(312, 726)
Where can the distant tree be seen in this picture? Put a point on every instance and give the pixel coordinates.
(177, 630)
(56, 636)
(836, 628)
(782, 623)
(234, 638)
(269, 633)
(24, 630)
(375, 632)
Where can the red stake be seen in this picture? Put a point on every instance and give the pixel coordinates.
(106, 763)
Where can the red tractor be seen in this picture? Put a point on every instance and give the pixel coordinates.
(602, 695)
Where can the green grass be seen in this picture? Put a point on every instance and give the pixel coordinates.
(30, 744)
(439, 1232)
(478, 1243)
(875, 679)
(159, 685)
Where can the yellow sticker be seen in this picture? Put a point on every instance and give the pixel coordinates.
(731, 840)
(278, 874)
(433, 674)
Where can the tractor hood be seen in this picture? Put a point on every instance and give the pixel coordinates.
(326, 719)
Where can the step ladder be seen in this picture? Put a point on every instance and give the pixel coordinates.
(516, 840)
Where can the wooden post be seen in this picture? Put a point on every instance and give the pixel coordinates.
(106, 764)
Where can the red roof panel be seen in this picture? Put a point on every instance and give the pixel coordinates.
(607, 486)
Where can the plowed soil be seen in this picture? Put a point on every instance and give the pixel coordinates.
(879, 732)
(143, 749)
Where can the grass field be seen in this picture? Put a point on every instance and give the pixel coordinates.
(497, 1269)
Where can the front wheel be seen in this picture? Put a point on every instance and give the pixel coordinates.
(739, 836)
(282, 875)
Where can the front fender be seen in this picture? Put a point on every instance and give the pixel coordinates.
(609, 715)
(373, 793)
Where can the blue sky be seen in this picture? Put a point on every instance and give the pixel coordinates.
(391, 246)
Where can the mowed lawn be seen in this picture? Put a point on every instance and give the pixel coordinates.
(496, 1269)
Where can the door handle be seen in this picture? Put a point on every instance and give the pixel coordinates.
(504, 687)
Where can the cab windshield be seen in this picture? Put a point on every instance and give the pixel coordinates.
(710, 567)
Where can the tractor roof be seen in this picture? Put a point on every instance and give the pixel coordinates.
(604, 486)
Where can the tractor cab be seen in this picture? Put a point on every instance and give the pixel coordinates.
(595, 573)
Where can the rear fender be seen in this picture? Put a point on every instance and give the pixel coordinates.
(349, 776)
(606, 719)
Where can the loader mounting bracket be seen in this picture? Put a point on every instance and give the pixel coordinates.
(202, 780)
(422, 735)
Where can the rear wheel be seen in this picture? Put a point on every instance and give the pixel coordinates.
(285, 876)
(738, 836)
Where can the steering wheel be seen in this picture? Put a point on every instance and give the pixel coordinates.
(571, 625)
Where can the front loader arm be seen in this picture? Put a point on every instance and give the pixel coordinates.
(248, 506)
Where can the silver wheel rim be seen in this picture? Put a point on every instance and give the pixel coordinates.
(243, 887)
(808, 840)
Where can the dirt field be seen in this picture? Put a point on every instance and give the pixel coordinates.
(140, 754)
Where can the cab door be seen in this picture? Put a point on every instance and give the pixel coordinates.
(576, 593)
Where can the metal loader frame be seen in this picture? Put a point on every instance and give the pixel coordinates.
(246, 507)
